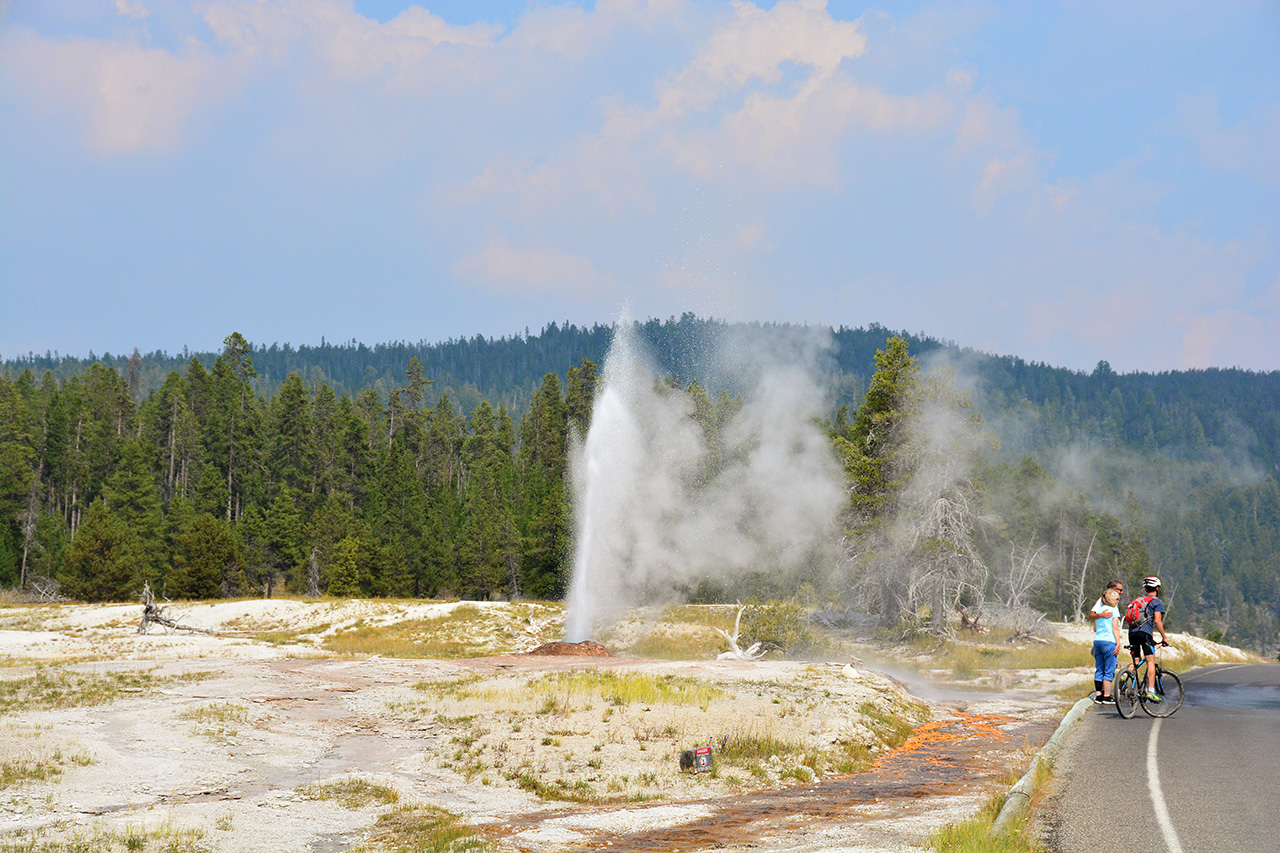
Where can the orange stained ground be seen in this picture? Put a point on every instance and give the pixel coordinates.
(941, 758)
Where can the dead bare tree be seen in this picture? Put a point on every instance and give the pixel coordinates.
(1024, 574)
(1080, 595)
(28, 520)
(153, 614)
(313, 573)
(752, 652)
(44, 589)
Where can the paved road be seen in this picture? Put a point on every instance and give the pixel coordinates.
(1206, 780)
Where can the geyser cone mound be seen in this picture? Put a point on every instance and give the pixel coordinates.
(584, 649)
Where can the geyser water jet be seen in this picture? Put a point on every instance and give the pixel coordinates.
(656, 511)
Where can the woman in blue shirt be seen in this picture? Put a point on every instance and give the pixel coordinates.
(1106, 640)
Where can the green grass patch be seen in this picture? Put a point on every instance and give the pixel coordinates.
(218, 722)
(974, 835)
(564, 791)
(621, 688)
(424, 829)
(890, 729)
(465, 631)
(281, 638)
(218, 712)
(21, 771)
(678, 645)
(456, 688)
(780, 625)
(352, 793)
(713, 616)
(754, 746)
(968, 660)
(52, 688)
(1076, 689)
(166, 838)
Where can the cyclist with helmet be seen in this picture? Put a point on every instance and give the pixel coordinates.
(1141, 634)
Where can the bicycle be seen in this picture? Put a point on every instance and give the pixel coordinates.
(1130, 690)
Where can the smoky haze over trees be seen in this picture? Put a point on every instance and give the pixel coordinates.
(434, 470)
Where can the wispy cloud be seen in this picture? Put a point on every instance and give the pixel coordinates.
(502, 269)
(1250, 147)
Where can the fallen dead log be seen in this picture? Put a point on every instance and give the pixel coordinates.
(153, 614)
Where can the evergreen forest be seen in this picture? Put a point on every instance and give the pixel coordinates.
(441, 470)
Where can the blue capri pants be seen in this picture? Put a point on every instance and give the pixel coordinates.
(1104, 657)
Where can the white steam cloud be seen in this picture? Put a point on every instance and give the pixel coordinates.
(658, 510)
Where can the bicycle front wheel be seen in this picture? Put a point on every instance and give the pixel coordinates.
(1125, 693)
(1169, 689)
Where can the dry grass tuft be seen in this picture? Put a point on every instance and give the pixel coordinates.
(424, 829)
(465, 631)
(166, 838)
(52, 687)
(625, 688)
(974, 835)
(352, 793)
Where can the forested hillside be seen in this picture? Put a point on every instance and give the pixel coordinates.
(439, 469)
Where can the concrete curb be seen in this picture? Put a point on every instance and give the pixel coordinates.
(1018, 803)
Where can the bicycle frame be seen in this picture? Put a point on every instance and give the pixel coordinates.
(1130, 689)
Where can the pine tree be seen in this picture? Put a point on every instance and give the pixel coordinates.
(870, 448)
(230, 428)
(398, 522)
(18, 478)
(488, 550)
(102, 563)
(207, 561)
(291, 438)
(134, 498)
(581, 395)
(348, 574)
(543, 513)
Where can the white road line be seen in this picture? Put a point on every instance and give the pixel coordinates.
(1157, 797)
(1212, 670)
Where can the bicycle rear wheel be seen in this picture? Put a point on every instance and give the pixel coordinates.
(1125, 694)
(1169, 688)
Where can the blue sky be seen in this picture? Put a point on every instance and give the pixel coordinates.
(1063, 182)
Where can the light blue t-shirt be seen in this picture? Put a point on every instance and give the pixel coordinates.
(1102, 627)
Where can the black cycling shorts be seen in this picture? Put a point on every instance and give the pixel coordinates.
(1142, 644)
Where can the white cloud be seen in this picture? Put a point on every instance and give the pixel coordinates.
(131, 8)
(131, 97)
(764, 96)
(504, 270)
(756, 47)
(1251, 147)
(795, 140)
(989, 127)
(127, 98)
(350, 45)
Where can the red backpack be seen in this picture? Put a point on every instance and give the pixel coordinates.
(1136, 613)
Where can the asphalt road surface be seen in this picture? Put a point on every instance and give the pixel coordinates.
(1205, 780)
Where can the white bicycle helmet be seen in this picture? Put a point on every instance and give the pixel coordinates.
(1151, 582)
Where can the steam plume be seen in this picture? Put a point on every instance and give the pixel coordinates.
(657, 509)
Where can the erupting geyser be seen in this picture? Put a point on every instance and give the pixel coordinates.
(657, 510)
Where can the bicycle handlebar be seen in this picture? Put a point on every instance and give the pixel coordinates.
(1162, 644)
